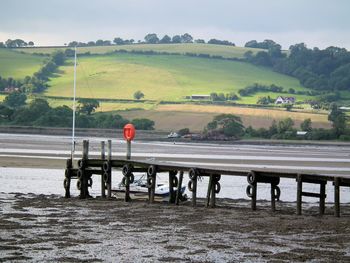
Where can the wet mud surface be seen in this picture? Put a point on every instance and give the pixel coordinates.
(39, 228)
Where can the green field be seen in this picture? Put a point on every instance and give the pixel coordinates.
(161, 77)
(218, 50)
(17, 65)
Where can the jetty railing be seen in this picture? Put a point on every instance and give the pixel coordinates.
(87, 167)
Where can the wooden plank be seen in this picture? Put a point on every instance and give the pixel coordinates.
(179, 185)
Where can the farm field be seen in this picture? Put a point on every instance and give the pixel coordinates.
(196, 117)
(214, 50)
(162, 77)
(17, 65)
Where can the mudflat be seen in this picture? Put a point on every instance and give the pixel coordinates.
(52, 228)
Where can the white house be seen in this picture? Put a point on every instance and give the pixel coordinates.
(285, 100)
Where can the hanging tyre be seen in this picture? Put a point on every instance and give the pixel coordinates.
(249, 191)
(131, 178)
(277, 192)
(152, 170)
(80, 174)
(190, 185)
(175, 181)
(79, 184)
(127, 169)
(217, 187)
(65, 183)
(251, 178)
(149, 182)
(106, 166)
(105, 177)
(192, 173)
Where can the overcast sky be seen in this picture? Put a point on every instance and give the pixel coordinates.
(320, 23)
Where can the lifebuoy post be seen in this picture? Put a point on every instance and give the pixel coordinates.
(129, 134)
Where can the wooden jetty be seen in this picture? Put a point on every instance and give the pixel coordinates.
(103, 166)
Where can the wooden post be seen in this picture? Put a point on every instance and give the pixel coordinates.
(254, 193)
(213, 193)
(103, 157)
(179, 185)
(67, 177)
(172, 177)
(109, 158)
(84, 187)
(336, 196)
(299, 193)
(153, 188)
(273, 198)
(194, 191)
(127, 189)
(128, 149)
(322, 197)
(209, 192)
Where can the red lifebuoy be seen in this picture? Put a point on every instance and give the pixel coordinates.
(129, 132)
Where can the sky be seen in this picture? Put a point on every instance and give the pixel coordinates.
(317, 23)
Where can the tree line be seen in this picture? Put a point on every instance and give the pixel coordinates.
(15, 111)
(229, 126)
(13, 43)
(321, 70)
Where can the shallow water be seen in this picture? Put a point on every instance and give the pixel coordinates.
(50, 181)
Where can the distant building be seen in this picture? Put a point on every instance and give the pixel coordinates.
(285, 100)
(11, 89)
(200, 97)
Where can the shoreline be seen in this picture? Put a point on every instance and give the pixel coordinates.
(154, 136)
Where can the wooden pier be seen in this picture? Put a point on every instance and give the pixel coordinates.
(103, 166)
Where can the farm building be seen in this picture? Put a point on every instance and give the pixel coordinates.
(200, 97)
(284, 100)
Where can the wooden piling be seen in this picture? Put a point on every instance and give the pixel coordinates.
(103, 157)
(109, 158)
(179, 185)
(172, 176)
(273, 198)
(194, 191)
(209, 191)
(254, 194)
(67, 179)
(299, 193)
(337, 196)
(213, 192)
(84, 183)
(322, 198)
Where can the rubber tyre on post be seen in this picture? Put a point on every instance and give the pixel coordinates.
(131, 178)
(192, 173)
(65, 183)
(217, 187)
(105, 166)
(105, 177)
(190, 185)
(277, 192)
(149, 182)
(80, 174)
(217, 177)
(251, 178)
(173, 173)
(152, 170)
(249, 191)
(79, 184)
(81, 163)
(127, 169)
(175, 181)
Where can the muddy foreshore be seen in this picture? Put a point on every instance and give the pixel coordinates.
(38, 228)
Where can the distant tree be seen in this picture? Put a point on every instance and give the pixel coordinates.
(107, 43)
(58, 57)
(138, 95)
(5, 112)
(2, 45)
(87, 106)
(176, 39)
(165, 40)
(31, 43)
(99, 42)
(15, 100)
(228, 124)
(288, 106)
(285, 125)
(91, 43)
(183, 131)
(306, 125)
(186, 38)
(73, 44)
(251, 44)
(338, 119)
(143, 124)
(200, 41)
(118, 41)
(151, 38)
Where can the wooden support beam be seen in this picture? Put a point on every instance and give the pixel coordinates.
(179, 186)
(172, 181)
(299, 193)
(194, 191)
(273, 198)
(254, 194)
(103, 157)
(83, 180)
(337, 196)
(68, 177)
(153, 187)
(215, 180)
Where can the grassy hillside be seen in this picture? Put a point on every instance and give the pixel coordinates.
(18, 65)
(218, 50)
(161, 77)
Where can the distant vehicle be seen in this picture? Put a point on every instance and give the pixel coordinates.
(193, 136)
(173, 135)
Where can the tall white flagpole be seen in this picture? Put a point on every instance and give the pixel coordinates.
(74, 94)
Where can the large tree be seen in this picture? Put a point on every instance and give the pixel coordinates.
(87, 106)
(15, 99)
(151, 38)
